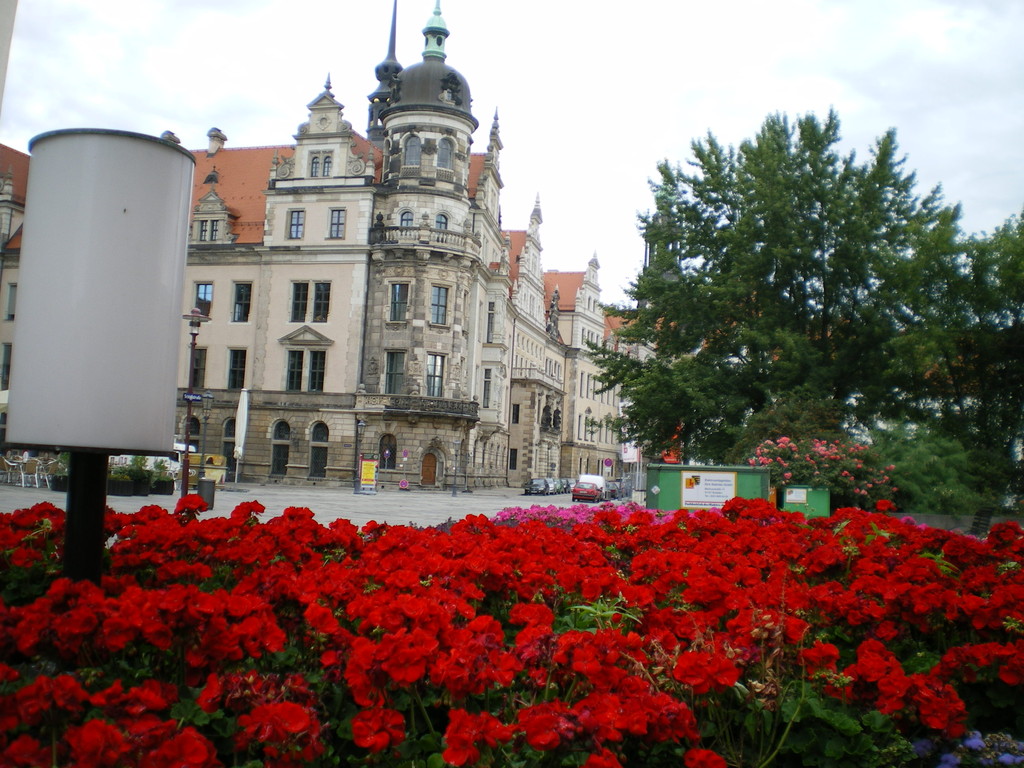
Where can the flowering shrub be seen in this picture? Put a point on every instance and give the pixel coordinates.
(851, 471)
(737, 637)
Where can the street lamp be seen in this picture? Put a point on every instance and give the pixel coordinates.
(455, 468)
(207, 407)
(195, 319)
(356, 482)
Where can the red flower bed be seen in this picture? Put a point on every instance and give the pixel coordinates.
(746, 637)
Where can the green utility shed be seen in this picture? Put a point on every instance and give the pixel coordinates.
(686, 486)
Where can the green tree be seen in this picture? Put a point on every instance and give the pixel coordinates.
(958, 359)
(932, 473)
(769, 273)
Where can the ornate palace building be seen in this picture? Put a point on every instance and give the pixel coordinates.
(363, 293)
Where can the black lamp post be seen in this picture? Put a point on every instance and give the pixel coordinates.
(356, 481)
(207, 407)
(195, 319)
(455, 468)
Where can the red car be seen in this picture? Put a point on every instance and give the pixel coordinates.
(586, 492)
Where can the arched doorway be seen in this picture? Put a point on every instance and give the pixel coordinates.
(428, 469)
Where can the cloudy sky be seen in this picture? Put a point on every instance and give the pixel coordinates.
(591, 95)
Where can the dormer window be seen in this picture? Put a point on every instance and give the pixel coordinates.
(207, 230)
(320, 165)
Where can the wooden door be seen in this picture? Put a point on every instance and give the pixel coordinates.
(428, 470)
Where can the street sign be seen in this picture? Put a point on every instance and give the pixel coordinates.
(194, 397)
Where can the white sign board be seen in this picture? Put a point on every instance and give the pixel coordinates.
(796, 495)
(630, 453)
(704, 490)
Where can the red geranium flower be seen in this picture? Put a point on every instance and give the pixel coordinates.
(378, 729)
(188, 507)
(96, 744)
(703, 758)
(466, 732)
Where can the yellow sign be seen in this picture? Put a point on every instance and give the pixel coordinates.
(368, 474)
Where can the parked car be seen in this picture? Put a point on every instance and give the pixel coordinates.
(586, 490)
(567, 484)
(552, 485)
(612, 490)
(538, 486)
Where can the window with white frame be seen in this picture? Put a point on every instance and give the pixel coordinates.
(486, 395)
(236, 368)
(296, 224)
(243, 303)
(336, 229)
(204, 297)
(300, 304)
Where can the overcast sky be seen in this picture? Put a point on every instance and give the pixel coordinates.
(591, 95)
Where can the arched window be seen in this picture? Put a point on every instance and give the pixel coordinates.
(279, 448)
(194, 431)
(314, 167)
(441, 221)
(412, 151)
(444, 153)
(405, 220)
(388, 449)
(327, 166)
(318, 450)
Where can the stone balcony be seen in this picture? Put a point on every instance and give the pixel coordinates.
(414, 405)
(439, 239)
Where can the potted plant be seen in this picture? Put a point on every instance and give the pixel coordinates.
(119, 482)
(163, 481)
(59, 473)
(140, 475)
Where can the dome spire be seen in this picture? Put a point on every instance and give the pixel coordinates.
(385, 72)
(435, 34)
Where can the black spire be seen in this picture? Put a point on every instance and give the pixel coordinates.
(386, 72)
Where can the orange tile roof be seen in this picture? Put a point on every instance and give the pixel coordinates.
(476, 167)
(568, 284)
(17, 163)
(243, 175)
(612, 323)
(516, 243)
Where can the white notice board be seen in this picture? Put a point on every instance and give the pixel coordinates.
(704, 490)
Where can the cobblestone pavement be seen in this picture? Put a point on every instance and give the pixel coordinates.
(328, 504)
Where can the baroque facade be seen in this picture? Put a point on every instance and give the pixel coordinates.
(364, 294)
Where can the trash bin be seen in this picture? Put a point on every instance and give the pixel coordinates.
(206, 487)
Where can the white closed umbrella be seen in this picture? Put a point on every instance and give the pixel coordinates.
(241, 425)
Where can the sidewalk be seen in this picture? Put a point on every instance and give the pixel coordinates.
(327, 504)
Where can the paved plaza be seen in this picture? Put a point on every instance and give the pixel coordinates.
(327, 504)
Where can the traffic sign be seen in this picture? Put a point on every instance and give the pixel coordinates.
(194, 397)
